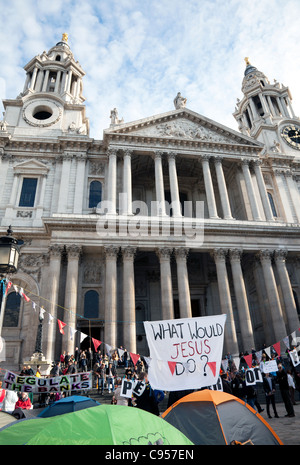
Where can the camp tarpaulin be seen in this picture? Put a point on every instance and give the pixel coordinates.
(67, 405)
(216, 418)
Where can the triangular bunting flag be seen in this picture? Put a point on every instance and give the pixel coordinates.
(72, 332)
(268, 351)
(225, 364)
(82, 337)
(258, 355)
(121, 352)
(277, 348)
(9, 284)
(50, 318)
(96, 343)
(61, 326)
(134, 358)
(172, 366)
(108, 349)
(236, 361)
(213, 367)
(248, 360)
(25, 297)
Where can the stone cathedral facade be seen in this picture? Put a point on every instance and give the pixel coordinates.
(54, 178)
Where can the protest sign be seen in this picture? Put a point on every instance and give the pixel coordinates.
(253, 376)
(74, 382)
(185, 353)
(294, 357)
(269, 367)
(132, 387)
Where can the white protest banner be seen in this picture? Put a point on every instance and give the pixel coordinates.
(269, 367)
(2, 350)
(294, 357)
(34, 384)
(185, 353)
(253, 376)
(216, 387)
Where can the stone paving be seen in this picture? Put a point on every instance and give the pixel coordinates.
(288, 429)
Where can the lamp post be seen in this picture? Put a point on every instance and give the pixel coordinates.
(9, 256)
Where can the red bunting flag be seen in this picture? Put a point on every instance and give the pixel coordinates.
(172, 366)
(9, 284)
(277, 348)
(248, 360)
(25, 297)
(96, 343)
(134, 357)
(61, 326)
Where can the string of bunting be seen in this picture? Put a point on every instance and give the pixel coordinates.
(7, 285)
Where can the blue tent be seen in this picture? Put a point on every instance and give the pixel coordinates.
(67, 405)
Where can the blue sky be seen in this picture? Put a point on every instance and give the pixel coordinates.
(137, 54)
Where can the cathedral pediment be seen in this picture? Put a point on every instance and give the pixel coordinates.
(31, 166)
(180, 125)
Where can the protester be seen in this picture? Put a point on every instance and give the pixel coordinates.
(146, 401)
(110, 376)
(120, 400)
(23, 402)
(282, 380)
(292, 386)
(269, 387)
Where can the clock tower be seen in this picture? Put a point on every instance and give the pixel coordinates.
(266, 113)
(51, 103)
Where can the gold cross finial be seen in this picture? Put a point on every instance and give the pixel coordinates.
(65, 37)
(247, 61)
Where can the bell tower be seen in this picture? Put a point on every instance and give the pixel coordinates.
(51, 103)
(266, 113)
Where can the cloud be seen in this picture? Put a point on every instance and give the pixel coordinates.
(138, 55)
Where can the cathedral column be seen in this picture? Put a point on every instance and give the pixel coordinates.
(175, 199)
(45, 82)
(294, 193)
(64, 182)
(79, 184)
(110, 327)
(287, 212)
(262, 191)
(241, 299)
(164, 255)
(71, 291)
(231, 343)
(69, 79)
(52, 286)
(183, 283)
(272, 293)
(127, 184)
(209, 189)
(250, 190)
(57, 82)
(159, 184)
(33, 78)
(112, 181)
(129, 320)
(287, 293)
(223, 189)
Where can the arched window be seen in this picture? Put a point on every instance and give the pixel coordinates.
(12, 310)
(272, 204)
(95, 194)
(91, 304)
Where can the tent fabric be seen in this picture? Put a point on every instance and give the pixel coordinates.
(228, 419)
(67, 405)
(6, 418)
(101, 425)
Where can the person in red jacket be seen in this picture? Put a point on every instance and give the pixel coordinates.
(24, 402)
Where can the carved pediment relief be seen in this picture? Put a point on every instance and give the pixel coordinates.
(182, 125)
(31, 166)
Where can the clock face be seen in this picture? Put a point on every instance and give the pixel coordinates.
(291, 134)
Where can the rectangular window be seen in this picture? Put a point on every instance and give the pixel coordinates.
(28, 192)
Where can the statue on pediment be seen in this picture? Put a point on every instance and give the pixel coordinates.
(179, 101)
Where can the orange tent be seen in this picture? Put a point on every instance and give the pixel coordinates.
(217, 418)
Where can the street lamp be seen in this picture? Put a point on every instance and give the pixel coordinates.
(9, 256)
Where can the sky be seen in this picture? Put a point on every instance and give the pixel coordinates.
(138, 54)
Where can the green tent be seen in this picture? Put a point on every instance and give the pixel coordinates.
(101, 425)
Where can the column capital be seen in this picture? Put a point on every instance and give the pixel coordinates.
(235, 254)
(128, 253)
(218, 159)
(164, 253)
(245, 162)
(158, 154)
(111, 152)
(172, 156)
(73, 251)
(265, 255)
(127, 152)
(181, 253)
(280, 254)
(55, 250)
(111, 251)
(219, 254)
(205, 157)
